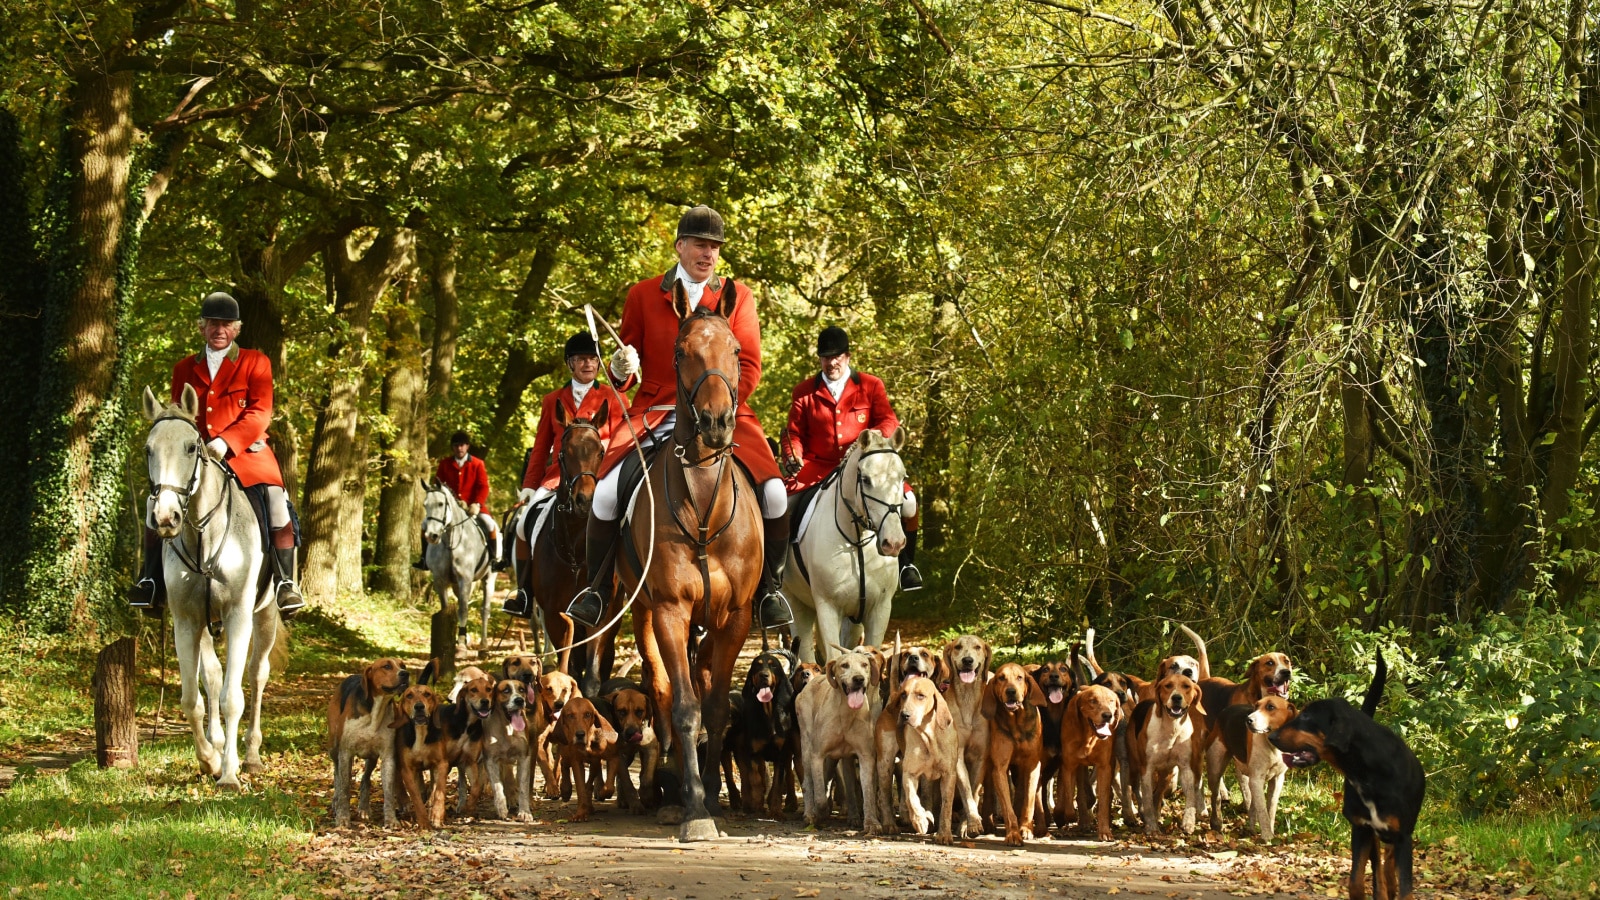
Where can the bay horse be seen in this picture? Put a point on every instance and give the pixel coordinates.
(704, 522)
(212, 564)
(458, 557)
(842, 592)
(556, 570)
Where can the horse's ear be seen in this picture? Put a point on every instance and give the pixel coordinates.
(152, 406)
(897, 440)
(730, 298)
(602, 415)
(680, 300)
(562, 418)
(190, 401)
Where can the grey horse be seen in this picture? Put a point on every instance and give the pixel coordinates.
(458, 557)
(212, 564)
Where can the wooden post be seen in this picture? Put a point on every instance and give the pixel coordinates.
(442, 642)
(116, 723)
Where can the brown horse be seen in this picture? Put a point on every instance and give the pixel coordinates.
(557, 569)
(702, 522)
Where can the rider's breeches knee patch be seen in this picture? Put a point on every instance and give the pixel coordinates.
(604, 505)
(277, 507)
(774, 499)
(494, 527)
(908, 506)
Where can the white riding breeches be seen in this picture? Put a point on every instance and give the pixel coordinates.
(277, 509)
(607, 506)
(908, 506)
(494, 528)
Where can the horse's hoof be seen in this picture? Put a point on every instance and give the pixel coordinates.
(231, 786)
(698, 830)
(669, 815)
(253, 768)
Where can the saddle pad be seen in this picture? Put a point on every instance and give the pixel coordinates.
(539, 513)
(805, 504)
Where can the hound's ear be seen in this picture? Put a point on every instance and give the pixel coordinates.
(1337, 734)
(988, 655)
(729, 299)
(832, 668)
(892, 710)
(680, 300)
(152, 406)
(190, 401)
(943, 672)
(1036, 694)
(991, 700)
(562, 733)
(398, 718)
(941, 714)
(878, 664)
(610, 699)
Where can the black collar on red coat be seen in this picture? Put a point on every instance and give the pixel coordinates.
(855, 378)
(714, 284)
(233, 354)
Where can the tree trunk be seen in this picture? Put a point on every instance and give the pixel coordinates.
(78, 444)
(402, 457)
(21, 311)
(336, 460)
(935, 458)
(116, 709)
(446, 323)
(522, 366)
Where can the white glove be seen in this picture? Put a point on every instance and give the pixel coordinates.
(218, 447)
(625, 362)
(525, 497)
(474, 508)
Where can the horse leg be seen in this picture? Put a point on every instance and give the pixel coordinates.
(654, 677)
(262, 637)
(239, 624)
(805, 630)
(186, 639)
(488, 595)
(671, 626)
(213, 675)
(875, 622)
(828, 622)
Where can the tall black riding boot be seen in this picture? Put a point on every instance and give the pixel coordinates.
(508, 543)
(421, 564)
(772, 609)
(910, 578)
(520, 604)
(289, 600)
(149, 593)
(591, 602)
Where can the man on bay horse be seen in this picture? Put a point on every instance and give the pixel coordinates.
(826, 415)
(235, 390)
(467, 477)
(543, 475)
(649, 334)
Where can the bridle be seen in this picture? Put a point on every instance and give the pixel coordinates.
(569, 483)
(448, 522)
(862, 520)
(701, 536)
(192, 560)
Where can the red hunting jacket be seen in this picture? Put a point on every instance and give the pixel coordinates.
(542, 470)
(821, 430)
(469, 481)
(651, 327)
(235, 406)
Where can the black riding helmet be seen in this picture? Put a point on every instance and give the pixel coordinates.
(219, 305)
(832, 341)
(701, 222)
(581, 344)
(460, 437)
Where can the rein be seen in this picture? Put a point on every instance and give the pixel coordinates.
(566, 552)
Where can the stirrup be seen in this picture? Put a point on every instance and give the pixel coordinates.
(145, 596)
(775, 611)
(587, 607)
(910, 578)
(517, 605)
(289, 600)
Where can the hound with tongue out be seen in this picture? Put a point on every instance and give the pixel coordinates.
(1088, 738)
(508, 740)
(837, 715)
(765, 732)
(1059, 683)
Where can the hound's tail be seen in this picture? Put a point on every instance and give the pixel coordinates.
(1200, 651)
(1088, 653)
(1369, 703)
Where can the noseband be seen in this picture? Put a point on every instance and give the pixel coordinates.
(450, 510)
(185, 493)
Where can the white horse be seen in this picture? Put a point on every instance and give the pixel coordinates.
(458, 557)
(842, 591)
(212, 563)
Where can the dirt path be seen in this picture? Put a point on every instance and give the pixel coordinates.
(622, 856)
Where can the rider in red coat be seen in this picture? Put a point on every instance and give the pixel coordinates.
(827, 413)
(467, 478)
(235, 390)
(649, 333)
